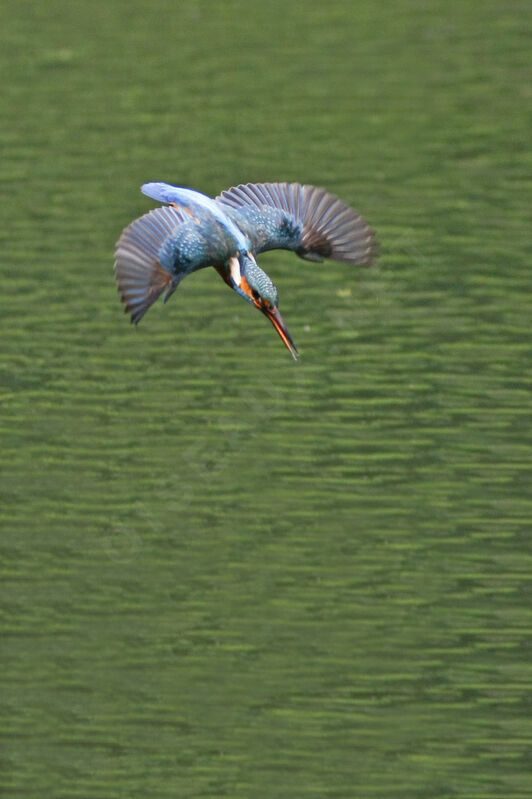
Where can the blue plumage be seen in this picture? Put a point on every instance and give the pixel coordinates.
(204, 208)
(267, 228)
(157, 250)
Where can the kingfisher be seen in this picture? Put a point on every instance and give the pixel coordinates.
(192, 231)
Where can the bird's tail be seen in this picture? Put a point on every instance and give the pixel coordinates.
(139, 275)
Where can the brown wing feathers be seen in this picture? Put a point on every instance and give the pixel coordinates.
(140, 277)
(330, 228)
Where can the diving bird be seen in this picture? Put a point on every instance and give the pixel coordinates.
(156, 251)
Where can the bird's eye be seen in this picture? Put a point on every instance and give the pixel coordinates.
(255, 294)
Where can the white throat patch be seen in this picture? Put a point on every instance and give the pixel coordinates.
(234, 270)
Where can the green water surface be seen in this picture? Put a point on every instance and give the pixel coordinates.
(224, 573)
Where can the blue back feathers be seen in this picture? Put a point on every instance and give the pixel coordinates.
(198, 204)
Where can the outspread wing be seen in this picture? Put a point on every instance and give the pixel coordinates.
(310, 221)
(140, 275)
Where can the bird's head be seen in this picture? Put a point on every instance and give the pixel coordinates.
(246, 277)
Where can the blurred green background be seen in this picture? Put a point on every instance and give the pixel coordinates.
(224, 573)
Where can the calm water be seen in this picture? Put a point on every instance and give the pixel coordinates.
(224, 573)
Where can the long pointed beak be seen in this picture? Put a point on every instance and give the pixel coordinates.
(278, 322)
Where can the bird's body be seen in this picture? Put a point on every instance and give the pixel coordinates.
(156, 251)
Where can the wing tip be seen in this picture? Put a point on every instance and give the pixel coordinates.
(138, 293)
(139, 274)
